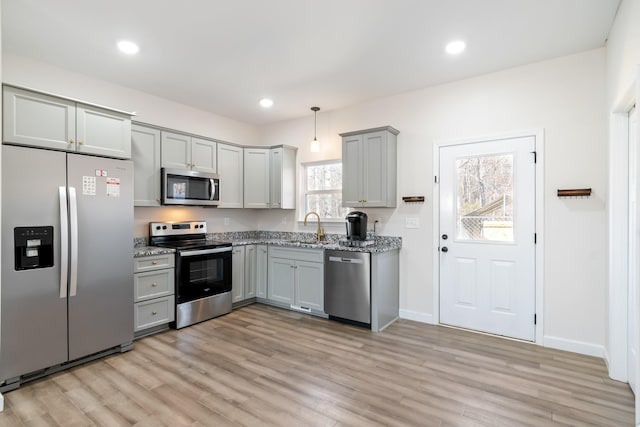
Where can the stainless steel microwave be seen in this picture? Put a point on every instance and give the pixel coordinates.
(187, 187)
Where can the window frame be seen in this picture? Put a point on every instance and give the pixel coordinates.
(303, 189)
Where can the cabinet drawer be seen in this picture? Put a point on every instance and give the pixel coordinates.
(311, 255)
(153, 284)
(155, 312)
(153, 262)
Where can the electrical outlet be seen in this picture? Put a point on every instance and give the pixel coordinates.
(412, 222)
(226, 221)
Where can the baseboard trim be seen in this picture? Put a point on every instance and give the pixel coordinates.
(417, 316)
(575, 346)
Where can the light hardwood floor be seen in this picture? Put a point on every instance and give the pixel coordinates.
(260, 365)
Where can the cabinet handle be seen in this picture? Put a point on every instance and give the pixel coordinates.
(154, 284)
(158, 200)
(153, 313)
(154, 262)
(71, 141)
(81, 142)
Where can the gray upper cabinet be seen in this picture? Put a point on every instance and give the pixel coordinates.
(230, 169)
(39, 120)
(185, 152)
(282, 172)
(256, 178)
(145, 146)
(369, 171)
(270, 177)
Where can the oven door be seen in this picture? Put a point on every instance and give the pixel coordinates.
(202, 273)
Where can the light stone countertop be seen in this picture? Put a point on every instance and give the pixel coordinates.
(284, 239)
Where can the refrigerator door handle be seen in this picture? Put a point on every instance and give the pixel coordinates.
(73, 223)
(64, 241)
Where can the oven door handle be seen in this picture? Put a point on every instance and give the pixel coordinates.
(205, 251)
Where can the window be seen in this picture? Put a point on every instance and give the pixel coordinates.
(322, 189)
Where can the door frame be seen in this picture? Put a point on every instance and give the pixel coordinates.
(538, 134)
(616, 347)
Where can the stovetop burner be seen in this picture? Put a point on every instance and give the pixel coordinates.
(182, 235)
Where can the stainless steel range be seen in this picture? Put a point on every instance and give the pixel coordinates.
(203, 270)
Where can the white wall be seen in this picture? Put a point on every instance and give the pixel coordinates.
(564, 96)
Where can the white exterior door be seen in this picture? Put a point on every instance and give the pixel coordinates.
(487, 232)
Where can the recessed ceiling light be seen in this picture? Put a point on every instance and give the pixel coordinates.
(266, 102)
(455, 47)
(130, 48)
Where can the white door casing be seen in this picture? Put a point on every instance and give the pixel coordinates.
(634, 252)
(488, 272)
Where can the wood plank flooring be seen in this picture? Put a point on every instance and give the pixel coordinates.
(260, 365)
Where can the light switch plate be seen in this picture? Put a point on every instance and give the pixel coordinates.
(412, 222)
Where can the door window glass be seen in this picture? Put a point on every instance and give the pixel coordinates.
(484, 202)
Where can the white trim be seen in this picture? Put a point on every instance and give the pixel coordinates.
(574, 346)
(538, 134)
(417, 316)
(618, 234)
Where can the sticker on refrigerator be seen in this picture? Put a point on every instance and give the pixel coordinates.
(113, 187)
(101, 172)
(88, 185)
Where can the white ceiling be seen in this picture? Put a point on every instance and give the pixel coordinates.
(224, 55)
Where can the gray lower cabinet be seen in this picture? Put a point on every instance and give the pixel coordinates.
(262, 252)
(154, 292)
(248, 267)
(296, 278)
(237, 274)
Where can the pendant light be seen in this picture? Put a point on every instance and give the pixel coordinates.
(315, 145)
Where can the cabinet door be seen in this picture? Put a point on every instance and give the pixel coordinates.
(256, 178)
(288, 178)
(102, 132)
(374, 169)
(230, 169)
(176, 150)
(145, 146)
(352, 171)
(261, 271)
(281, 280)
(250, 271)
(275, 172)
(237, 274)
(38, 120)
(204, 155)
(309, 285)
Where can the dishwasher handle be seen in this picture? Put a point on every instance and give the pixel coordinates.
(346, 260)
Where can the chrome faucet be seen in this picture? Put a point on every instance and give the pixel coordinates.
(320, 232)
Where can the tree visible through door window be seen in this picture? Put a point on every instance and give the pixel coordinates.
(322, 189)
(485, 198)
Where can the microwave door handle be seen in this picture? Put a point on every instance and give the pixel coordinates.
(212, 191)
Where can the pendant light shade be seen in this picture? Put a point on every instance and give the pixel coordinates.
(315, 144)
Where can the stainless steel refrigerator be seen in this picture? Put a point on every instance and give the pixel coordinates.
(67, 269)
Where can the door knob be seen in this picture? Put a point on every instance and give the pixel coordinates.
(445, 237)
(444, 249)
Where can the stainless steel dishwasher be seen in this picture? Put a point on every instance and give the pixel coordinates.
(347, 286)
